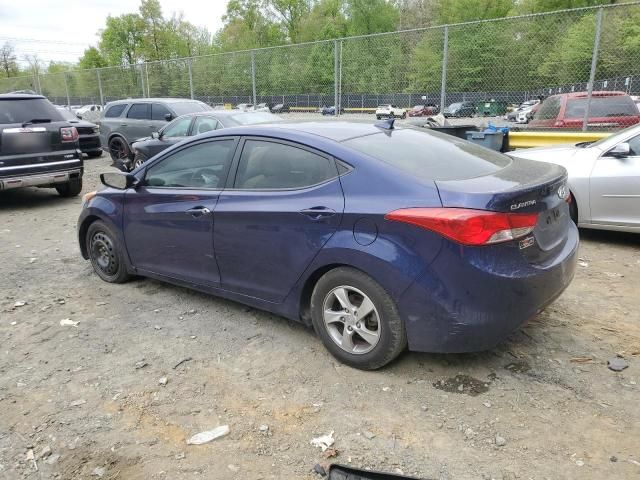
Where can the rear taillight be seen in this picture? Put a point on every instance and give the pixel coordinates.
(467, 226)
(69, 134)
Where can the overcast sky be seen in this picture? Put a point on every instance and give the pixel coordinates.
(61, 29)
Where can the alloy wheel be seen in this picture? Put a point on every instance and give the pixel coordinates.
(351, 319)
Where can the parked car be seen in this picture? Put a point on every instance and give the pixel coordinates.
(460, 109)
(567, 110)
(187, 126)
(244, 106)
(390, 111)
(523, 113)
(330, 110)
(604, 179)
(89, 112)
(423, 111)
(88, 133)
(280, 108)
(378, 237)
(124, 121)
(38, 147)
(491, 108)
(261, 107)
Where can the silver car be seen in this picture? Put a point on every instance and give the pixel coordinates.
(125, 121)
(604, 179)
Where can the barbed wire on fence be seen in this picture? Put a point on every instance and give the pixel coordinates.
(510, 60)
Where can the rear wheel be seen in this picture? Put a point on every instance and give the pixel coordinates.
(356, 319)
(105, 253)
(404, 115)
(70, 189)
(118, 149)
(137, 161)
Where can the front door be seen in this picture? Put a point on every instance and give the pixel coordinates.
(615, 188)
(285, 204)
(168, 220)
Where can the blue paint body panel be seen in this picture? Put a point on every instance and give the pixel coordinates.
(258, 248)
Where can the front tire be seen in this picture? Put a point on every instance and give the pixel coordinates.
(138, 160)
(118, 149)
(70, 189)
(105, 253)
(367, 339)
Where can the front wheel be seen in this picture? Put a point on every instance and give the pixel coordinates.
(118, 149)
(71, 188)
(138, 160)
(105, 253)
(356, 319)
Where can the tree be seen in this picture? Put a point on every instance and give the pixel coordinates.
(8, 60)
(92, 58)
(371, 16)
(292, 12)
(122, 41)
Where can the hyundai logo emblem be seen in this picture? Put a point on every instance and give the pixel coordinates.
(563, 193)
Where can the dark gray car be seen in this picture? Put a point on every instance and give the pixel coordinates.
(124, 121)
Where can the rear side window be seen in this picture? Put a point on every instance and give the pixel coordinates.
(270, 165)
(159, 112)
(614, 106)
(115, 111)
(140, 111)
(430, 156)
(549, 109)
(23, 110)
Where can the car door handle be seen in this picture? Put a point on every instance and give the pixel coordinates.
(124, 125)
(198, 211)
(317, 213)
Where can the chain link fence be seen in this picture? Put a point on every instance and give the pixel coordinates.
(493, 63)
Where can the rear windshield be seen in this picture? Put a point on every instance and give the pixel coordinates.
(66, 114)
(23, 110)
(251, 118)
(615, 106)
(189, 107)
(430, 155)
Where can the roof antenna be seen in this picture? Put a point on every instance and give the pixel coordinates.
(386, 124)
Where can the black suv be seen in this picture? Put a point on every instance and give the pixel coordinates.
(38, 148)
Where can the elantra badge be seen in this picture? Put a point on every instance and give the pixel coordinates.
(528, 203)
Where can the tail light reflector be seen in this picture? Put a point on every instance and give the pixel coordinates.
(467, 226)
(69, 134)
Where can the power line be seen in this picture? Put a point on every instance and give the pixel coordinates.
(38, 40)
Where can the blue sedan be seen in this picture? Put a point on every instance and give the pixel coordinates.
(382, 238)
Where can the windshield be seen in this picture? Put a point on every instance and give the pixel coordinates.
(613, 106)
(620, 134)
(189, 107)
(25, 109)
(250, 118)
(430, 155)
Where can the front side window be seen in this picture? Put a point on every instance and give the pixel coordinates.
(159, 112)
(634, 146)
(270, 165)
(204, 165)
(140, 111)
(178, 128)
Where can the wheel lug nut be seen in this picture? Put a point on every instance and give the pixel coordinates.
(349, 328)
(358, 325)
(342, 318)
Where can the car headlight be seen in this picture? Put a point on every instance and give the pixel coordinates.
(96, 129)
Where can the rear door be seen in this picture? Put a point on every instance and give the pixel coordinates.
(168, 220)
(137, 123)
(615, 188)
(285, 203)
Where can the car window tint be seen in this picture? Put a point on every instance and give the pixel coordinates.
(269, 165)
(115, 111)
(430, 155)
(204, 124)
(614, 106)
(178, 128)
(159, 111)
(23, 110)
(189, 107)
(140, 111)
(549, 109)
(204, 165)
(250, 118)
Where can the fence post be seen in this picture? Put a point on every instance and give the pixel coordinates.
(335, 77)
(253, 75)
(66, 87)
(445, 55)
(594, 64)
(142, 80)
(100, 87)
(190, 78)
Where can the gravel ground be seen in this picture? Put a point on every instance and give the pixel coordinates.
(86, 401)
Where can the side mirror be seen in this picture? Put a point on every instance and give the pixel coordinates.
(155, 135)
(619, 151)
(168, 117)
(118, 180)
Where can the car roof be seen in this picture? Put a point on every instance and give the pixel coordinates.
(598, 93)
(18, 96)
(156, 100)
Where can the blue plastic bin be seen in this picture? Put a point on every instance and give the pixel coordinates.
(492, 140)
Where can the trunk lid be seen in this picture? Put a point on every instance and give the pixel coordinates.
(523, 186)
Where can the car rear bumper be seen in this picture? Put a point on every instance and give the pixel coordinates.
(40, 180)
(90, 143)
(470, 299)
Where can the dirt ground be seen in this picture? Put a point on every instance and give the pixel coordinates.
(87, 403)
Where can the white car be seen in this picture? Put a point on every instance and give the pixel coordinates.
(604, 179)
(90, 113)
(390, 111)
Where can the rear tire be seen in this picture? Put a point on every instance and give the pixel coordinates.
(383, 336)
(118, 149)
(137, 161)
(70, 189)
(105, 253)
